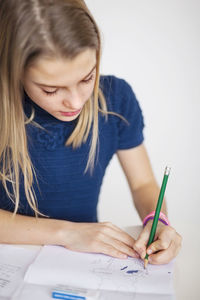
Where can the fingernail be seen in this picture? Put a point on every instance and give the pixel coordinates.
(149, 251)
(142, 255)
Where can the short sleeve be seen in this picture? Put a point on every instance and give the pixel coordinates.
(130, 133)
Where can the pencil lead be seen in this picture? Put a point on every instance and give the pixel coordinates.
(145, 262)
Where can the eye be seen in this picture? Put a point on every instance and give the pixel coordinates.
(50, 93)
(89, 79)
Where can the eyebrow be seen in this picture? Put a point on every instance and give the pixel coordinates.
(53, 86)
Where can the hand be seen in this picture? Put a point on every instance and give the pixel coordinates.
(103, 238)
(165, 247)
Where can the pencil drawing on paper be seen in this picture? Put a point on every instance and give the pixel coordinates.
(111, 269)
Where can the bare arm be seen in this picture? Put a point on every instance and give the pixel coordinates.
(144, 188)
(86, 237)
(145, 191)
(20, 229)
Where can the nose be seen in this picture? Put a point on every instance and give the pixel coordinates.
(73, 100)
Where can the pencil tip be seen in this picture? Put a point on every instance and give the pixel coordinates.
(145, 262)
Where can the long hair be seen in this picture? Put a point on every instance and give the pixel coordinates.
(30, 29)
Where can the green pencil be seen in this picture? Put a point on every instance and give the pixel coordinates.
(157, 212)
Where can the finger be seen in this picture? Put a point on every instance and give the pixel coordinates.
(158, 245)
(120, 246)
(113, 231)
(116, 228)
(110, 250)
(141, 243)
(165, 256)
(164, 240)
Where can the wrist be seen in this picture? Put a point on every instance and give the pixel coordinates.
(64, 232)
(162, 218)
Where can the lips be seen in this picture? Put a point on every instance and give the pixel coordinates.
(70, 113)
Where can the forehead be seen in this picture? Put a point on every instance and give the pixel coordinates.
(61, 71)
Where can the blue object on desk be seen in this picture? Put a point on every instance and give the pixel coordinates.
(67, 292)
(59, 295)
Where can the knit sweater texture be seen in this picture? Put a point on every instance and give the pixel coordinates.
(64, 191)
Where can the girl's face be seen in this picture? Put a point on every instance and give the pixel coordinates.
(62, 86)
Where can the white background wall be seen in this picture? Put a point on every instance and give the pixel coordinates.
(155, 46)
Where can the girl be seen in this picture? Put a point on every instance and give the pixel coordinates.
(60, 124)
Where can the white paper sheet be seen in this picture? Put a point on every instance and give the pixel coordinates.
(57, 265)
(14, 262)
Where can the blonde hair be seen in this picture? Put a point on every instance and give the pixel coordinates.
(30, 29)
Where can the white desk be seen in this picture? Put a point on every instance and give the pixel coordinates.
(186, 280)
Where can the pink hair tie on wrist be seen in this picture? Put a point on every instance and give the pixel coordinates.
(161, 218)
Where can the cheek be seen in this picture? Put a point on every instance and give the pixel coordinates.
(40, 102)
(34, 93)
(37, 96)
(87, 92)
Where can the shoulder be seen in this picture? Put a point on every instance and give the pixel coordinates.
(114, 86)
(118, 93)
(121, 99)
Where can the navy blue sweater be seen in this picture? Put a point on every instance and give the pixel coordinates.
(65, 191)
